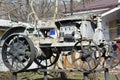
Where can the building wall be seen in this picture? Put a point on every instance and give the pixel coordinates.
(105, 26)
(89, 1)
(113, 29)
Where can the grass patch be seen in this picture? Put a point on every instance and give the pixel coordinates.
(70, 76)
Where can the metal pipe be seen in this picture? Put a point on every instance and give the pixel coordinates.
(45, 76)
(71, 7)
(85, 76)
(106, 74)
(14, 76)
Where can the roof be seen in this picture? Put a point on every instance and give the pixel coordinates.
(111, 14)
(97, 4)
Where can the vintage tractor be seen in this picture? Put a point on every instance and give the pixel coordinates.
(21, 46)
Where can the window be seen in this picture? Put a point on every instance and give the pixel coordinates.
(118, 28)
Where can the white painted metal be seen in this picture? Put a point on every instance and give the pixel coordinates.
(86, 29)
(99, 36)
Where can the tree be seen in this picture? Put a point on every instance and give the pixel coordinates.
(18, 10)
(15, 10)
(23, 10)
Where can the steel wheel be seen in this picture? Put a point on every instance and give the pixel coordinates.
(84, 56)
(48, 58)
(18, 52)
(111, 61)
(110, 57)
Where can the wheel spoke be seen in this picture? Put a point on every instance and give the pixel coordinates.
(12, 62)
(7, 44)
(82, 66)
(23, 64)
(18, 52)
(17, 38)
(49, 60)
(16, 65)
(88, 51)
(89, 65)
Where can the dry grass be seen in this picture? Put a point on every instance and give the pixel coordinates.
(70, 76)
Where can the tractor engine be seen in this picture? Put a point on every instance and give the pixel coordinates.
(68, 31)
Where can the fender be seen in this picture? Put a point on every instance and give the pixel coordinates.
(19, 29)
